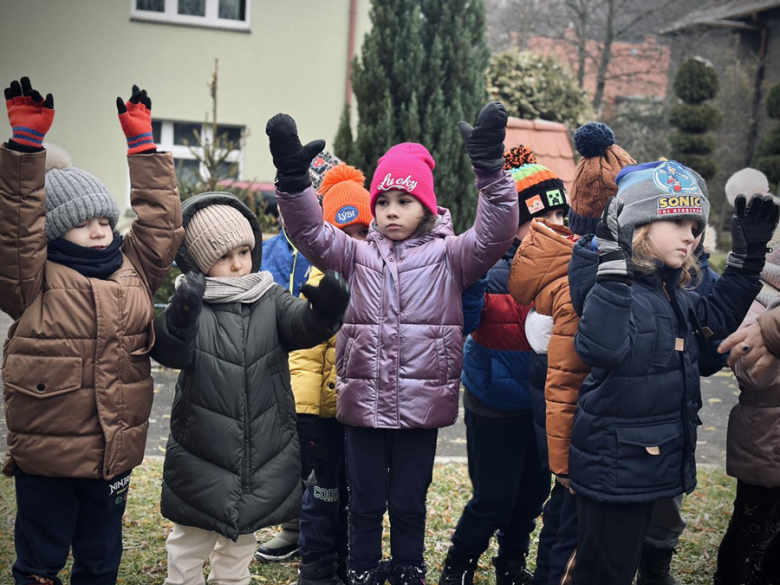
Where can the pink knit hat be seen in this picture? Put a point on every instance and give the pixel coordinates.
(406, 167)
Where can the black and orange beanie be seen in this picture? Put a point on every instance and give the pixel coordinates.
(540, 190)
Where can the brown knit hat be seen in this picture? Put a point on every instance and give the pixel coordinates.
(594, 182)
(213, 232)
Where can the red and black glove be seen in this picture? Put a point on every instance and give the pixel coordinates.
(30, 115)
(136, 119)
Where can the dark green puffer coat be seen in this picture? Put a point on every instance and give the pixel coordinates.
(232, 464)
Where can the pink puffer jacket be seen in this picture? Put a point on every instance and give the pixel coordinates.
(400, 351)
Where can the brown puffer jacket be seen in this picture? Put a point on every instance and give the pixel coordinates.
(753, 440)
(76, 368)
(540, 275)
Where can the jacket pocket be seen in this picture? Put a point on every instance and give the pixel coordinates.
(42, 377)
(649, 456)
(441, 358)
(285, 402)
(341, 369)
(663, 344)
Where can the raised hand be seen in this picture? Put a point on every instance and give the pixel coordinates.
(187, 303)
(331, 298)
(615, 244)
(135, 116)
(30, 114)
(291, 158)
(485, 141)
(752, 226)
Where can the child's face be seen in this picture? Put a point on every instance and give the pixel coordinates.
(398, 214)
(237, 262)
(673, 240)
(555, 216)
(93, 233)
(357, 231)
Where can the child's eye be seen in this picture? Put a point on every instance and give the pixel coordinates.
(363, 232)
(244, 252)
(225, 257)
(404, 201)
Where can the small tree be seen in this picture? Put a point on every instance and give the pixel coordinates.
(212, 150)
(695, 83)
(535, 86)
(768, 152)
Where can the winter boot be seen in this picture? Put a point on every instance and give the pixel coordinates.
(375, 576)
(322, 572)
(281, 547)
(654, 566)
(408, 574)
(458, 570)
(511, 571)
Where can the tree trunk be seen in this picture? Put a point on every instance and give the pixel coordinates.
(606, 56)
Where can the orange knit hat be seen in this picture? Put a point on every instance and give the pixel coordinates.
(344, 198)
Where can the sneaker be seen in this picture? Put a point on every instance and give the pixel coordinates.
(511, 571)
(654, 566)
(322, 572)
(281, 547)
(458, 570)
(408, 575)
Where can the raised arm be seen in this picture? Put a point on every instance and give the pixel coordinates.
(22, 197)
(322, 244)
(157, 232)
(472, 253)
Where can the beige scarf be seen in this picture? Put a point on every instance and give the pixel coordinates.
(235, 289)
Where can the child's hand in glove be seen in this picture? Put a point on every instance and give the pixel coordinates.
(615, 244)
(135, 116)
(187, 303)
(752, 226)
(291, 158)
(313, 455)
(331, 298)
(30, 115)
(485, 141)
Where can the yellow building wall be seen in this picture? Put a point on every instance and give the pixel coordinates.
(88, 52)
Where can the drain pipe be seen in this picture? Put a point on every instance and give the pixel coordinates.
(350, 50)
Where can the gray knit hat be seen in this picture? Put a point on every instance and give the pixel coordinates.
(664, 190)
(73, 195)
(213, 232)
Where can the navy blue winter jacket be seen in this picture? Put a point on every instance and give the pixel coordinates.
(634, 435)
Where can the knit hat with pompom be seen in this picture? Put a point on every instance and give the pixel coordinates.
(73, 195)
(539, 189)
(345, 201)
(594, 182)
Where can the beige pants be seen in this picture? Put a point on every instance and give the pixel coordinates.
(189, 548)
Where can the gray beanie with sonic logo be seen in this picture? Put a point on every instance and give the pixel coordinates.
(664, 190)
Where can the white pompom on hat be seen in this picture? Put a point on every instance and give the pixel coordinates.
(747, 182)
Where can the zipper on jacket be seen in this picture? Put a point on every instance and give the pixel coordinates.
(247, 437)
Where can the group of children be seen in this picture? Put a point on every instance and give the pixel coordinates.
(583, 360)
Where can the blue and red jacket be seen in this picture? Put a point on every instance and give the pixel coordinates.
(288, 266)
(495, 358)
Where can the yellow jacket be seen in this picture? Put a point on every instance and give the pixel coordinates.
(313, 373)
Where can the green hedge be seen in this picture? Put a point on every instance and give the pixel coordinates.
(770, 166)
(773, 102)
(698, 118)
(692, 143)
(705, 166)
(696, 81)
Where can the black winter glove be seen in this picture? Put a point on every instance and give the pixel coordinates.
(291, 158)
(331, 298)
(313, 455)
(615, 246)
(751, 229)
(485, 141)
(187, 303)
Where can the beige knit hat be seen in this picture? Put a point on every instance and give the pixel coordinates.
(213, 232)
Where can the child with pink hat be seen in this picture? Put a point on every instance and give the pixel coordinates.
(399, 355)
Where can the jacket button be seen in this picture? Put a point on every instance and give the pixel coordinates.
(331, 385)
(391, 260)
(41, 387)
(100, 470)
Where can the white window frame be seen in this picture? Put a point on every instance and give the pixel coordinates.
(210, 20)
(179, 151)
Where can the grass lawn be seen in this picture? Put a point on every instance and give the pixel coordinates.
(144, 563)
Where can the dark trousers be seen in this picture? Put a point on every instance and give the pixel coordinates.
(54, 514)
(752, 536)
(323, 521)
(509, 486)
(388, 468)
(557, 553)
(610, 543)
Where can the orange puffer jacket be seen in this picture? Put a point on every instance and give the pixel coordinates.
(540, 275)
